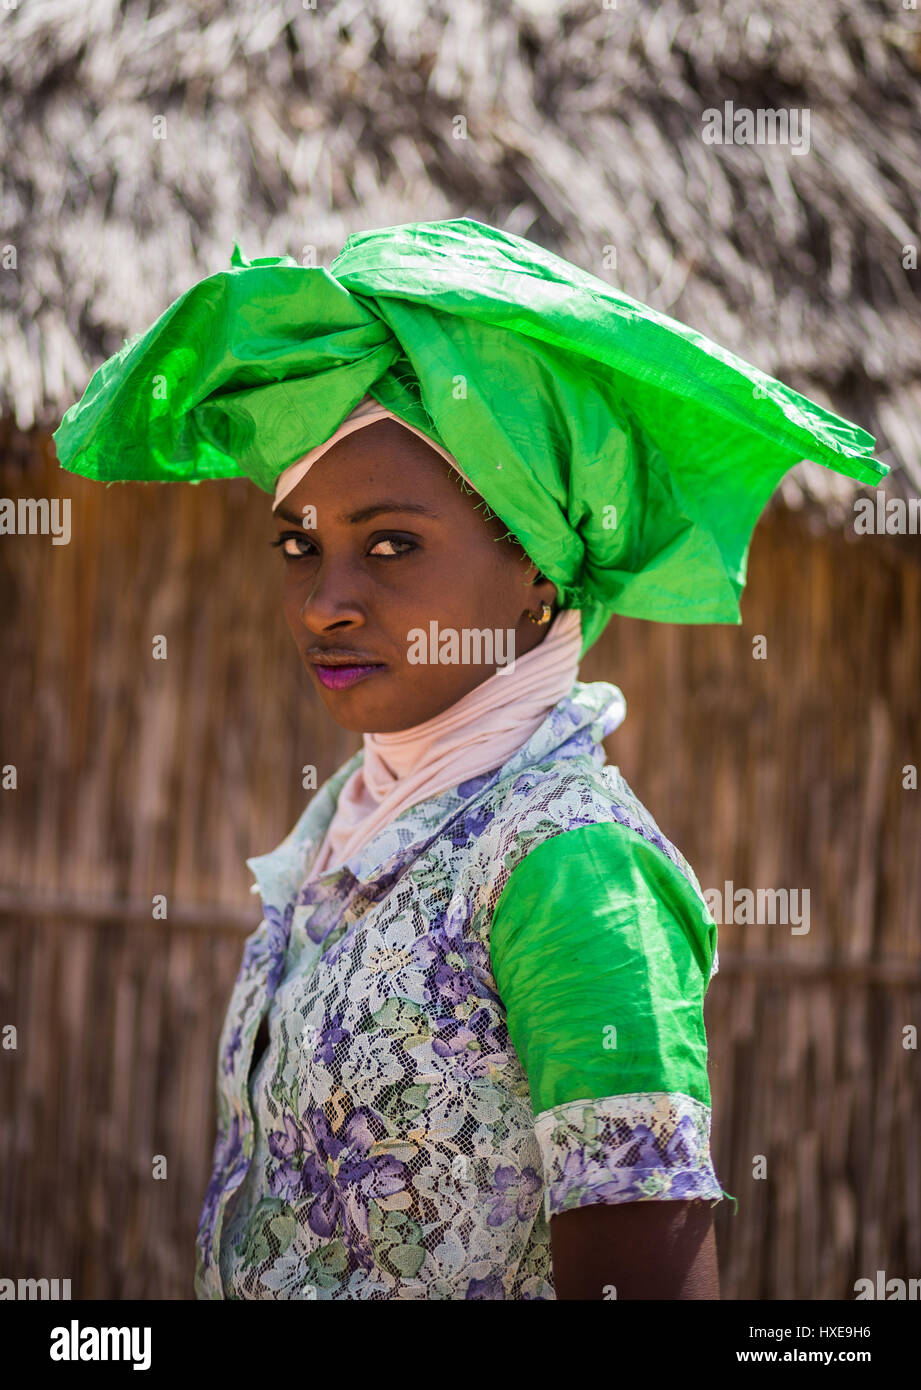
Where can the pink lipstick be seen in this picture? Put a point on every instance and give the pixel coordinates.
(340, 677)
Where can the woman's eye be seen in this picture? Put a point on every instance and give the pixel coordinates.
(288, 541)
(392, 541)
(291, 543)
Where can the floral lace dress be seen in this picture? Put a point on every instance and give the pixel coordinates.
(491, 1014)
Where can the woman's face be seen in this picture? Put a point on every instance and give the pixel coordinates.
(357, 584)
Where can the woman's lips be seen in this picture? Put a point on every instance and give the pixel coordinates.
(339, 677)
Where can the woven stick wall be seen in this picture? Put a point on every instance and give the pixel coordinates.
(139, 777)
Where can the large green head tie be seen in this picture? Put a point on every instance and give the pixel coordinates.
(630, 455)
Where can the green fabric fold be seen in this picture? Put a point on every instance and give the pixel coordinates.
(630, 455)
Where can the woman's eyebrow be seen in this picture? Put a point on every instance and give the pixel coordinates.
(365, 513)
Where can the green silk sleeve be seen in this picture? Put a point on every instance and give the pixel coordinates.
(601, 955)
(601, 950)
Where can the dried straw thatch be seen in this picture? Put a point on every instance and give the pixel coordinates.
(142, 137)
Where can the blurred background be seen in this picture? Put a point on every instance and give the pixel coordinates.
(137, 141)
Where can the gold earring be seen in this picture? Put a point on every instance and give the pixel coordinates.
(544, 617)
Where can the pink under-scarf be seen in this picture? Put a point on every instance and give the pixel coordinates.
(478, 732)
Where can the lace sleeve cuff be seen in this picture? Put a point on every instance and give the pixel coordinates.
(649, 1145)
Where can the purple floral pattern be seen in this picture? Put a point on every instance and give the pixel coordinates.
(626, 1148)
(384, 1145)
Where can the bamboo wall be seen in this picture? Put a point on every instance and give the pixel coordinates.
(138, 777)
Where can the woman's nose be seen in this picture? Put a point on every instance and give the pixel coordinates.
(335, 597)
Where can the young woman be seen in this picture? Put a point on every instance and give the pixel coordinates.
(465, 1054)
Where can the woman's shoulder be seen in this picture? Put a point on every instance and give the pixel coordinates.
(580, 833)
(549, 799)
(545, 805)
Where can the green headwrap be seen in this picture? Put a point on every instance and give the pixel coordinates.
(629, 455)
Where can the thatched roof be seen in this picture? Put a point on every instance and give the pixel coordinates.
(289, 128)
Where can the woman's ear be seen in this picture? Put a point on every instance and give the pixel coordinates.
(552, 596)
(541, 578)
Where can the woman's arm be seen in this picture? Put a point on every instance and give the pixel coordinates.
(652, 1249)
(601, 953)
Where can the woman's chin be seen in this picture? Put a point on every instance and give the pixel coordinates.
(383, 704)
(360, 707)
